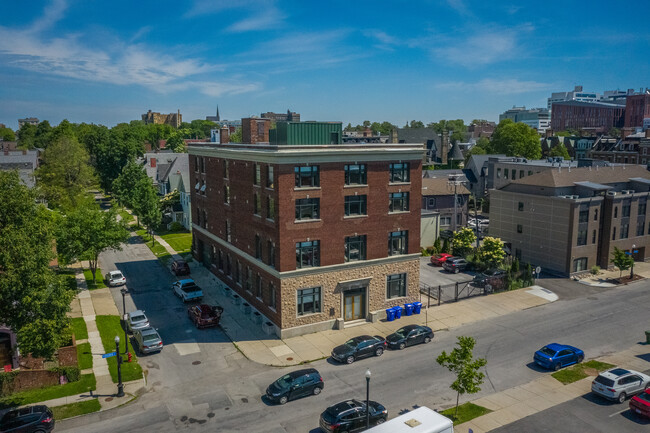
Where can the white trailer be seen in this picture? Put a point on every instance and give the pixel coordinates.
(420, 420)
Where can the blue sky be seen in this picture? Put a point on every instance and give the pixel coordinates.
(109, 62)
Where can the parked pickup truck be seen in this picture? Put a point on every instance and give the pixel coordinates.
(205, 315)
(187, 290)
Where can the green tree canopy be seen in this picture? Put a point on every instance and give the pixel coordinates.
(127, 182)
(236, 137)
(7, 134)
(621, 260)
(65, 174)
(559, 150)
(491, 252)
(147, 204)
(461, 362)
(456, 129)
(86, 231)
(42, 135)
(27, 136)
(516, 139)
(33, 299)
(463, 241)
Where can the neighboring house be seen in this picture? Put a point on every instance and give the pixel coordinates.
(476, 172)
(567, 221)
(438, 194)
(24, 161)
(9, 355)
(632, 149)
(313, 234)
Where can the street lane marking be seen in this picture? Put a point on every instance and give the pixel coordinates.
(619, 412)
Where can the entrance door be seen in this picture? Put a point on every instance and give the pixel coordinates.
(5, 350)
(354, 304)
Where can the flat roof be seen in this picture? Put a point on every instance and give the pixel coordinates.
(592, 185)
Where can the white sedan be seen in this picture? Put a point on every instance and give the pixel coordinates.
(115, 278)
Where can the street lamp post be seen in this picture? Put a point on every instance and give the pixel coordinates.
(123, 291)
(120, 386)
(632, 255)
(368, 398)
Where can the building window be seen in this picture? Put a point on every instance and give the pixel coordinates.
(270, 249)
(398, 202)
(580, 264)
(307, 209)
(205, 219)
(614, 233)
(626, 209)
(202, 165)
(521, 174)
(398, 243)
(271, 295)
(308, 301)
(498, 173)
(270, 179)
(625, 228)
(228, 234)
(257, 204)
(355, 174)
(355, 248)
(228, 265)
(258, 247)
(593, 235)
(514, 174)
(396, 286)
(506, 173)
(639, 228)
(239, 275)
(355, 205)
(249, 279)
(530, 172)
(596, 215)
(196, 164)
(226, 194)
(583, 216)
(307, 254)
(257, 174)
(521, 206)
(642, 207)
(431, 203)
(582, 237)
(270, 208)
(445, 220)
(307, 177)
(520, 228)
(258, 287)
(225, 169)
(400, 172)
(616, 212)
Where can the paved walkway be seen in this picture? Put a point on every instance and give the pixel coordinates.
(605, 277)
(519, 402)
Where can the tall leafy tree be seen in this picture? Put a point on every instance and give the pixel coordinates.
(559, 150)
(42, 135)
(87, 231)
(516, 139)
(126, 184)
(463, 241)
(157, 132)
(27, 136)
(125, 143)
(65, 173)
(147, 205)
(461, 362)
(621, 260)
(491, 251)
(7, 134)
(33, 299)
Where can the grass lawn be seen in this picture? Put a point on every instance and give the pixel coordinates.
(466, 412)
(68, 276)
(156, 248)
(577, 372)
(109, 327)
(84, 356)
(99, 279)
(180, 242)
(83, 385)
(75, 409)
(126, 217)
(79, 328)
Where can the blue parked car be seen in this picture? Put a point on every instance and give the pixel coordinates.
(555, 356)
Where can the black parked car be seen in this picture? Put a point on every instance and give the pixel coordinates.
(31, 419)
(488, 277)
(409, 335)
(359, 347)
(455, 264)
(295, 385)
(350, 416)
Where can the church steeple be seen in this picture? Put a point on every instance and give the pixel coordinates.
(218, 118)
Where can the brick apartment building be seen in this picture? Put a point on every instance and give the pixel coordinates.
(637, 111)
(568, 220)
(312, 236)
(587, 116)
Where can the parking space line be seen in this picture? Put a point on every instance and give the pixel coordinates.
(619, 412)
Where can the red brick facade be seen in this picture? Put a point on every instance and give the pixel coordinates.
(637, 108)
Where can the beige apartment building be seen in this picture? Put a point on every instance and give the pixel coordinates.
(568, 220)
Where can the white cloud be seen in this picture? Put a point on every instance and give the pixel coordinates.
(491, 85)
(121, 63)
(264, 14)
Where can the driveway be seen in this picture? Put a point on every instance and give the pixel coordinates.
(436, 276)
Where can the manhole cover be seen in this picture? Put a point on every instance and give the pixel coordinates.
(196, 362)
(244, 400)
(289, 359)
(211, 415)
(108, 399)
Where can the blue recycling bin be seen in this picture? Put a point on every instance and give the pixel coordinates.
(390, 314)
(408, 308)
(398, 312)
(417, 306)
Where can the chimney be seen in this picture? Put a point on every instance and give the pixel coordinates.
(152, 162)
(224, 135)
(255, 130)
(444, 150)
(24, 151)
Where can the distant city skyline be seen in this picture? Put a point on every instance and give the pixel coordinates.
(108, 63)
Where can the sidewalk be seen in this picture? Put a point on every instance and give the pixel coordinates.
(519, 402)
(605, 276)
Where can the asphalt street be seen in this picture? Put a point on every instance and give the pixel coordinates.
(200, 382)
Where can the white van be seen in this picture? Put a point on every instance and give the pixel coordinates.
(420, 420)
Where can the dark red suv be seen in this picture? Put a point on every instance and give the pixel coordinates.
(180, 267)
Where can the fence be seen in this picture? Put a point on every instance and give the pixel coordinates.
(435, 295)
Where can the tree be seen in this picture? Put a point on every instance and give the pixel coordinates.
(147, 205)
(621, 260)
(42, 134)
(461, 362)
(436, 246)
(462, 241)
(7, 134)
(87, 231)
(33, 299)
(125, 185)
(559, 150)
(125, 142)
(415, 124)
(236, 137)
(445, 246)
(157, 132)
(516, 139)
(65, 173)
(491, 252)
(456, 129)
(175, 141)
(26, 136)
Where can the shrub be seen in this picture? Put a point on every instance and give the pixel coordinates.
(73, 374)
(425, 252)
(6, 381)
(436, 246)
(445, 246)
(176, 227)
(595, 269)
(515, 266)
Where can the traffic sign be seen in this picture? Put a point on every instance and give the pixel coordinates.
(108, 355)
(538, 270)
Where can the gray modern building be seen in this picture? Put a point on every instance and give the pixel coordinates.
(537, 118)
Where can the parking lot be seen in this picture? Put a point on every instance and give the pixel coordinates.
(435, 276)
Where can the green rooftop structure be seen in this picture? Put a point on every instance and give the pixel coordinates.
(306, 133)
